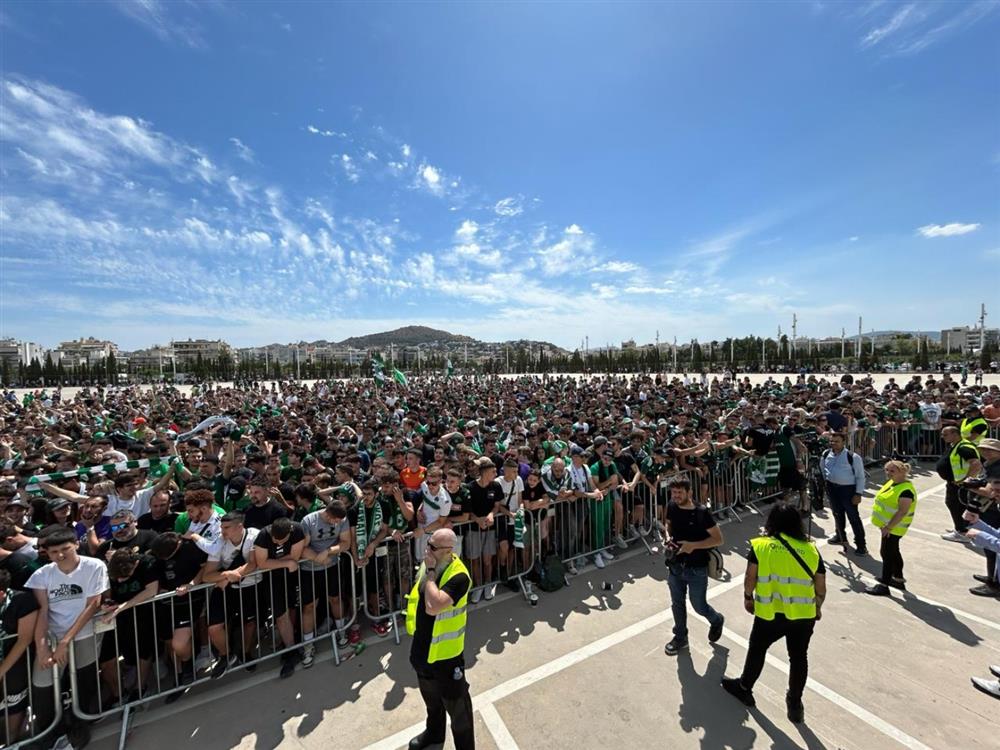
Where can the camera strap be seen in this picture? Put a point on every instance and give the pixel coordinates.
(798, 559)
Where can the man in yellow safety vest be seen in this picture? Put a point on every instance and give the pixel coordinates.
(784, 589)
(435, 617)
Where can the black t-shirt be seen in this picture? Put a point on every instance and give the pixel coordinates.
(943, 465)
(459, 500)
(276, 551)
(146, 522)
(143, 575)
(835, 420)
(20, 568)
(22, 604)
(690, 525)
(482, 500)
(139, 543)
(761, 439)
(257, 517)
(180, 569)
(456, 588)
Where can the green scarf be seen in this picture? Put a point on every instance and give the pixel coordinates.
(519, 528)
(363, 531)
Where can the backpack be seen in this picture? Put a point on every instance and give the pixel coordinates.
(551, 574)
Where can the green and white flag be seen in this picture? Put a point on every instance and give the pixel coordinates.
(87, 471)
(378, 368)
(399, 377)
(449, 369)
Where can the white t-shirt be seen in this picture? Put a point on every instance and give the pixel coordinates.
(211, 533)
(512, 499)
(442, 499)
(225, 553)
(68, 593)
(932, 415)
(138, 505)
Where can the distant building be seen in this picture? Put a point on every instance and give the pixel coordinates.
(14, 352)
(84, 351)
(965, 338)
(152, 359)
(187, 352)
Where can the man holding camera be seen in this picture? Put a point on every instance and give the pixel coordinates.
(986, 535)
(983, 499)
(692, 531)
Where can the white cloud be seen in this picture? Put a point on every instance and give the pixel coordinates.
(573, 251)
(898, 20)
(405, 150)
(350, 168)
(161, 19)
(947, 230)
(616, 266)
(467, 231)
(431, 178)
(370, 156)
(509, 206)
(853, 238)
(325, 133)
(242, 150)
(240, 190)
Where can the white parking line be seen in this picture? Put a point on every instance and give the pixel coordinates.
(875, 722)
(493, 721)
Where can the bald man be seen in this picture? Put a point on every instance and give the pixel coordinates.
(435, 617)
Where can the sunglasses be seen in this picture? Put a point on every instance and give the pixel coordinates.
(115, 527)
(436, 548)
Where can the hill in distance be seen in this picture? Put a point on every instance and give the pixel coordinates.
(406, 336)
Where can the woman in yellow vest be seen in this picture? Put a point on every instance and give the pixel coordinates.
(435, 617)
(784, 589)
(892, 515)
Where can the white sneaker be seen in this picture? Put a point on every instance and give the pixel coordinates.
(308, 655)
(204, 660)
(571, 569)
(342, 640)
(491, 591)
(953, 536)
(633, 531)
(620, 542)
(476, 595)
(991, 687)
(599, 561)
(608, 557)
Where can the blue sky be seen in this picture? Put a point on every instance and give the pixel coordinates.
(274, 172)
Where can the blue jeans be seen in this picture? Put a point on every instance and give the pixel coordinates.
(693, 582)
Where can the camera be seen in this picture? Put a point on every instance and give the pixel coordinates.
(670, 552)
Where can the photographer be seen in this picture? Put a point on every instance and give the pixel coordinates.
(692, 531)
(983, 498)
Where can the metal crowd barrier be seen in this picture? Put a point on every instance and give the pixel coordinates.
(24, 720)
(138, 651)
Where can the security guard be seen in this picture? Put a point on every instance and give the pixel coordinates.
(892, 515)
(784, 589)
(959, 461)
(435, 617)
(974, 428)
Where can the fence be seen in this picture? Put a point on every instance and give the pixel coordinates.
(30, 712)
(908, 441)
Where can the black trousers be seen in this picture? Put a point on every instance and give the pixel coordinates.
(766, 633)
(892, 560)
(442, 695)
(953, 497)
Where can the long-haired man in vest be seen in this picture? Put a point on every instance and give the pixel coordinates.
(435, 617)
(784, 590)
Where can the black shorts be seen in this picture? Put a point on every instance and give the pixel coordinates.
(179, 612)
(133, 639)
(320, 584)
(790, 479)
(15, 693)
(281, 593)
(233, 604)
(505, 530)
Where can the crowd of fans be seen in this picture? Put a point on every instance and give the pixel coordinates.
(280, 495)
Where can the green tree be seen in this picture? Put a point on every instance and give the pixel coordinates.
(697, 358)
(986, 355)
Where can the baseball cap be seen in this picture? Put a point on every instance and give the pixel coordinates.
(55, 504)
(990, 444)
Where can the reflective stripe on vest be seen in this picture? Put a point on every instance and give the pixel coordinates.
(448, 635)
(966, 429)
(887, 503)
(959, 467)
(782, 586)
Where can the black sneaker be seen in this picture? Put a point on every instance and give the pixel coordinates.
(897, 583)
(986, 589)
(175, 696)
(796, 711)
(861, 551)
(715, 631)
(421, 741)
(735, 688)
(675, 646)
(879, 589)
(836, 539)
(983, 579)
(287, 667)
(222, 664)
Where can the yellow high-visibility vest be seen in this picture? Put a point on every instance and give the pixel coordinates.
(448, 635)
(887, 503)
(783, 587)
